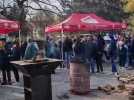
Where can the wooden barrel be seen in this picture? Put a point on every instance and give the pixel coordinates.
(79, 79)
(131, 97)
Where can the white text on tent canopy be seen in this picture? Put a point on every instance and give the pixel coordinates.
(11, 25)
(89, 20)
(15, 25)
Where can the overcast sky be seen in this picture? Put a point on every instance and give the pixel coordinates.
(53, 2)
(34, 5)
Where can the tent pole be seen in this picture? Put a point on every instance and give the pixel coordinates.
(20, 37)
(62, 54)
(20, 41)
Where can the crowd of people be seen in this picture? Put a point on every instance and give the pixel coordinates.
(10, 51)
(92, 50)
(14, 51)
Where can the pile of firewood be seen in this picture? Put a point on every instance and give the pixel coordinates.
(108, 89)
(126, 78)
(131, 95)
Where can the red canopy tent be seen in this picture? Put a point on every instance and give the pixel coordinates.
(88, 22)
(7, 26)
(85, 22)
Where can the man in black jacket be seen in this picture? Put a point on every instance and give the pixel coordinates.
(90, 52)
(100, 43)
(16, 53)
(67, 49)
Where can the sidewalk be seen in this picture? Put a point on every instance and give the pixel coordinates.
(60, 85)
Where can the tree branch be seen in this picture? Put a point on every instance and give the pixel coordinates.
(44, 10)
(49, 5)
(2, 8)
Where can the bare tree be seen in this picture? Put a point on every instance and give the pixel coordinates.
(20, 9)
(26, 5)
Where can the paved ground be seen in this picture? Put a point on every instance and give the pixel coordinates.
(61, 88)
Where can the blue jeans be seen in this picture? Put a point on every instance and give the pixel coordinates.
(91, 65)
(67, 59)
(114, 68)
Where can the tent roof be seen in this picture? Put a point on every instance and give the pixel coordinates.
(7, 26)
(85, 22)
